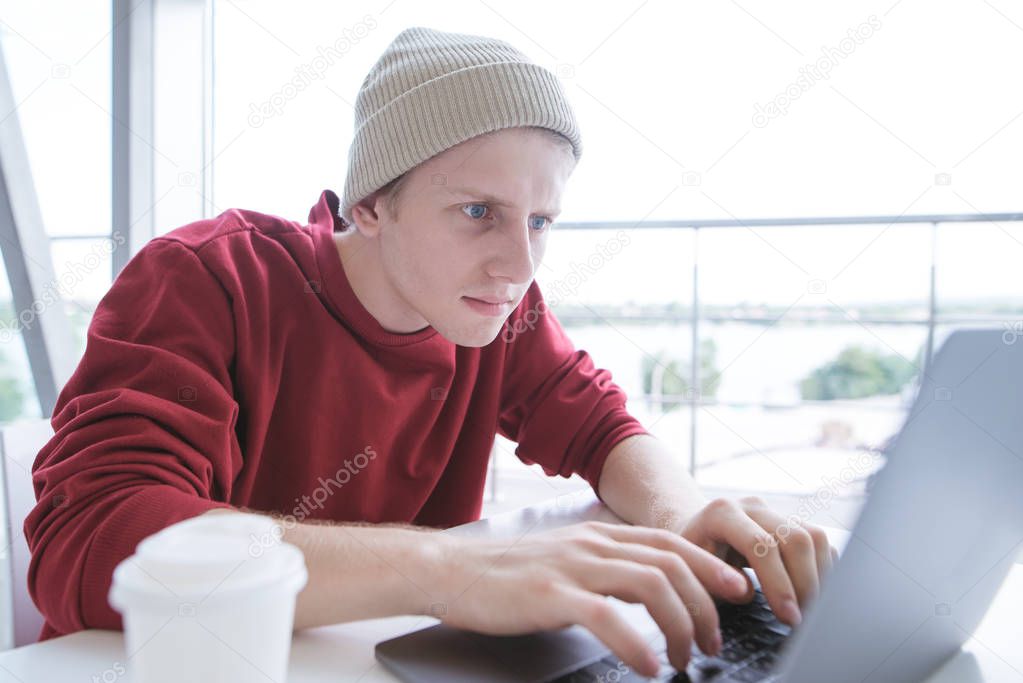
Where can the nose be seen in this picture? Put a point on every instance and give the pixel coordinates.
(512, 254)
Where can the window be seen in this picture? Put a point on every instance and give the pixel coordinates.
(57, 57)
(714, 137)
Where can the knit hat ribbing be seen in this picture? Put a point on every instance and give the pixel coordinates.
(431, 90)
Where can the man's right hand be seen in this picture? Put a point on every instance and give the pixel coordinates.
(561, 577)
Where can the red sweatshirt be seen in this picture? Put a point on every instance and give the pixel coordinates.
(231, 364)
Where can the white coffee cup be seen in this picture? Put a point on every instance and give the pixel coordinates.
(211, 598)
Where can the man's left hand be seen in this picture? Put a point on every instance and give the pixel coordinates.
(789, 556)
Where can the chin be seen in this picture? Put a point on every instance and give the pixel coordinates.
(471, 335)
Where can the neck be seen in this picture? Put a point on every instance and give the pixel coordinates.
(360, 257)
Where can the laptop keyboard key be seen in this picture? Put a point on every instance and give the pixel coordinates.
(747, 675)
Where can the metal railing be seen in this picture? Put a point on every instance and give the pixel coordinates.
(694, 400)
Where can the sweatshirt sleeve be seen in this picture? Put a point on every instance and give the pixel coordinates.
(565, 414)
(144, 433)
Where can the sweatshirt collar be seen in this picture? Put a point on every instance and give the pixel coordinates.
(336, 290)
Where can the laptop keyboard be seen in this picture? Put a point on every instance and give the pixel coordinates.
(752, 639)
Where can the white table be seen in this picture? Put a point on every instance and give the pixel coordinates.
(344, 652)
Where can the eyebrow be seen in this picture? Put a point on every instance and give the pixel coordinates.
(489, 198)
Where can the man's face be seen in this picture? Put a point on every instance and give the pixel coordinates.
(471, 230)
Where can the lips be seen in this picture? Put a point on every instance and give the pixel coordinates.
(489, 306)
(496, 300)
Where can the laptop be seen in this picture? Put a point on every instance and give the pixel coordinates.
(932, 545)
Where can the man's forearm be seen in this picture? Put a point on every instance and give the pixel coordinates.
(364, 571)
(644, 483)
(369, 571)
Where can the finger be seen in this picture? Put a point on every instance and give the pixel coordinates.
(796, 546)
(821, 547)
(694, 596)
(719, 577)
(640, 583)
(600, 617)
(732, 525)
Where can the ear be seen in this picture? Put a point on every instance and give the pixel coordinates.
(366, 215)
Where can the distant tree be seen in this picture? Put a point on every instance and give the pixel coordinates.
(11, 397)
(12, 394)
(12, 401)
(858, 373)
(673, 375)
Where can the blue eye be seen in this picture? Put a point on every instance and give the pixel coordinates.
(475, 215)
(479, 211)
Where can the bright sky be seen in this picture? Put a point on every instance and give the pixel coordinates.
(665, 94)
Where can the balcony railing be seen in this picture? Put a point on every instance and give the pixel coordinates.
(694, 317)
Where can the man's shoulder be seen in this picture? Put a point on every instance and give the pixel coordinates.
(232, 223)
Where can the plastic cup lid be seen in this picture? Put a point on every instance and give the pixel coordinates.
(209, 556)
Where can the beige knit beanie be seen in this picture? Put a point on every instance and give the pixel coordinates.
(431, 90)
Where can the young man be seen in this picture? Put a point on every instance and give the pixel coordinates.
(353, 370)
